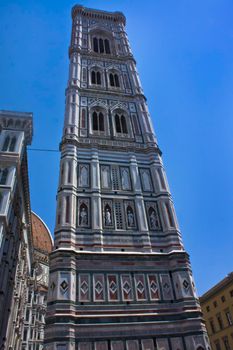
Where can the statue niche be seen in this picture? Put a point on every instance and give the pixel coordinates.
(153, 219)
(130, 217)
(107, 216)
(83, 215)
(83, 176)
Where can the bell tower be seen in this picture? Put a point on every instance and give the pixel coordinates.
(120, 278)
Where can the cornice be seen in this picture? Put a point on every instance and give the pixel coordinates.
(88, 92)
(94, 13)
(217, 288)
(125, 146)
(89, 53)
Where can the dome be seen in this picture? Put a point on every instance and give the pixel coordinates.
(42, 239)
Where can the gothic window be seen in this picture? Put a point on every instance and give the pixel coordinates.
(135, 124)
(95, 77)
(120, 122)
(97, 121)
(115, 178)
(101, 45)
(118, 215)
(3, 176)
(114, 80)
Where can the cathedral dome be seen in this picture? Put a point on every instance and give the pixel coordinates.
(42, 239)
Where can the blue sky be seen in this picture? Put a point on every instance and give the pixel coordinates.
(184, 53)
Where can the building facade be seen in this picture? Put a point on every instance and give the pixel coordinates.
(119, 275)
(217, 307)
(36, 302)
(15, 226)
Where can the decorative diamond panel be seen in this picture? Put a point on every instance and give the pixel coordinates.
(140, 286)
(84, 287)
(126, 287)
(153, 287)
(98, 285)
(113, 288)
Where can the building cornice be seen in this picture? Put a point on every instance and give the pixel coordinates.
(217, 288)
(98, 14)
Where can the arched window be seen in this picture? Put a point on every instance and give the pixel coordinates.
(96, 77)
(114, 79)
(95, 45)
(93, 77)
(107, 46)
(3, 176)
(121, 126)
(97, 121)
(111, 78)
(101, 45)
(6, 143)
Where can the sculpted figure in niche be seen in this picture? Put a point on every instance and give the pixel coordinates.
(108, 219)
(154, 222)
(83, 216)
(83, 176)
(146, 181)
(130, 217)
(125, 179)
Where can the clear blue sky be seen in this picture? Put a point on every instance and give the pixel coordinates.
(184, 52)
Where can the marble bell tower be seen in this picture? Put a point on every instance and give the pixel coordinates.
(120, 278)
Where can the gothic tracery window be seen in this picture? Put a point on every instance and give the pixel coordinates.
(101, 45)
(95, 77)
(120, 122)
(97, 121)
(114, 80)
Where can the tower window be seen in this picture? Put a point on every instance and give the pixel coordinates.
(95, 78)
(98, 121)
(121, 126)
(9, 144)
(114, 80)
(101, 45)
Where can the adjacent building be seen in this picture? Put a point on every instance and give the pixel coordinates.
(120, 278)
(16, 251)
(25, 242)
(217, 307)
(34, 315)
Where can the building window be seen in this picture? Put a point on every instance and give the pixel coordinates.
(67, 209)
(9, 144)
(95, 78)
(229, 318)
(215, 304)
(217, 345)
(3, 176)
(223, 299)
(212, 326)
(220, 321)
(120, 122)
(101, 45)
(231, 293)
(207, 308)
(114, 80)
(97, 121)
(226, 343)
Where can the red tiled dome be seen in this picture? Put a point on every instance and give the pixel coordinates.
(41, 236)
